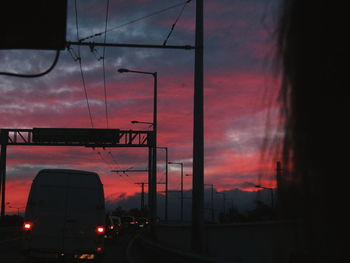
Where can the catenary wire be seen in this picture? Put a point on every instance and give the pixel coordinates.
(19, 75)
(135, 20)
(103, 65)
(174, 24)
(127, 179)
(80, 65)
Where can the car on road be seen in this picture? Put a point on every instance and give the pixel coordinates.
(65, 215)
(113, 226)
(142, 222)
(129, 223)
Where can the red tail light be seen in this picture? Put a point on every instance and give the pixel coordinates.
(27, 226)
(132, 223)
(100, 230)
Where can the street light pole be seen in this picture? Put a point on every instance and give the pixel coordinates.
(152, 180)
(182, 189)
(3, 141)
(166, 182)
(224, 201)
(212, 201)
(268, 188)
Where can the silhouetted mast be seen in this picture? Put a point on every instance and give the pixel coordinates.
(198, 137)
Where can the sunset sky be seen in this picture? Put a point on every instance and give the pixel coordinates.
(239, 87)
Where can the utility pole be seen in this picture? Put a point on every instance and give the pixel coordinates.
(198, 137)
(142, 184)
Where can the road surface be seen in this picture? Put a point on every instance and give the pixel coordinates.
(115, 251)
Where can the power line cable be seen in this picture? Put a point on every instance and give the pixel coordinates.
(19, 75)
(176, 20)
(103, 159)
(129, 180)
(96, 54)
(72, 53)
(113, 159)
(135, 20)
(80, 64)
(103, 65)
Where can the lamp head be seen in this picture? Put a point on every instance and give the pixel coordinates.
(123, 70)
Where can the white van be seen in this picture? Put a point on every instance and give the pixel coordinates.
(65, 215)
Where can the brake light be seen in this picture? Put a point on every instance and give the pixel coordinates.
(132, 223)
(100, 230)
(27, 226)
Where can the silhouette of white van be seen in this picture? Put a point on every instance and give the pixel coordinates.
(65, 215)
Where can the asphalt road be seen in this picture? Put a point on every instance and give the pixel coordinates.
(115, 251)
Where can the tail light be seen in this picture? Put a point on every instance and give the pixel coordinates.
(132, 223)
(27, 226)
(100, 230)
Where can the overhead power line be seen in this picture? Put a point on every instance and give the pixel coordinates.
(135, 20)
(103, 65)
(80, 65)
(14, 74)
(176, 20)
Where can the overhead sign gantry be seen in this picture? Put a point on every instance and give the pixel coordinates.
(83, 137)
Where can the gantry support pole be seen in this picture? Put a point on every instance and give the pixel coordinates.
(3, 141)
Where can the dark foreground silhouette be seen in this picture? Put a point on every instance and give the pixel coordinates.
(312, 49)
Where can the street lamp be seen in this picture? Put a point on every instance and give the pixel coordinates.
(153, 150)
(182, 187)
(123, 70)
(143, 122)
(267, 188)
